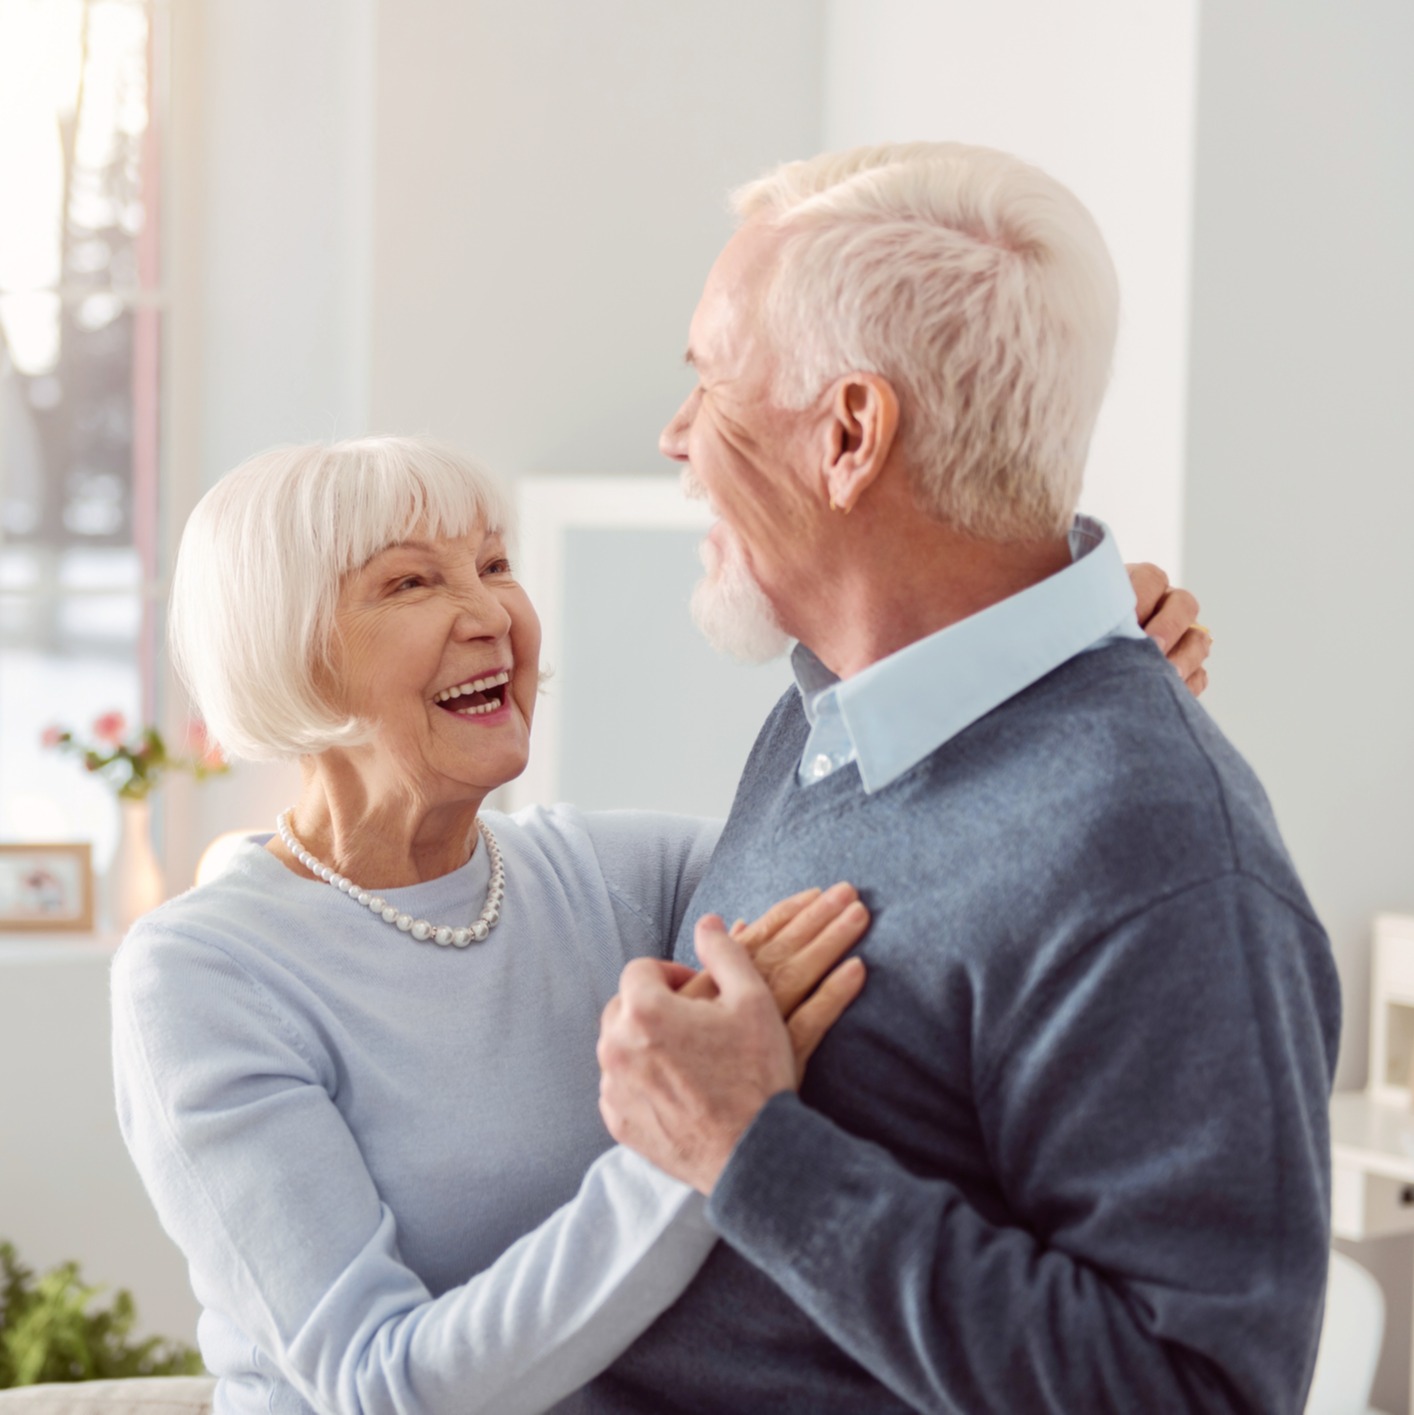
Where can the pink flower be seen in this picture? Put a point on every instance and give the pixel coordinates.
(51, 736)
(200, 745)
(110, 728)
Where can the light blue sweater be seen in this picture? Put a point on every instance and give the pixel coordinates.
(362, 1143)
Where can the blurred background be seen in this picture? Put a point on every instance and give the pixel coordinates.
(230, 223)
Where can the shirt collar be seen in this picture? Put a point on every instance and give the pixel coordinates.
(894, 713)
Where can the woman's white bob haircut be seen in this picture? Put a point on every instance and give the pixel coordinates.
(260, 565)
(979, 287)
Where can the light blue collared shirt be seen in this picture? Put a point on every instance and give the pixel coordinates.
(891, 715)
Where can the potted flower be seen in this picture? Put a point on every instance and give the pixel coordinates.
(133, 763)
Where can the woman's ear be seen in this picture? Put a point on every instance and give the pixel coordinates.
(862, 428)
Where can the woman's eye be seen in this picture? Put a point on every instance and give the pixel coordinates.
(498, 567)
(409, 582)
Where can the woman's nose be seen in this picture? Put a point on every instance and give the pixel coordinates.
(482, 616)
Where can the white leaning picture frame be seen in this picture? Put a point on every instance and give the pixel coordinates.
(551, 509)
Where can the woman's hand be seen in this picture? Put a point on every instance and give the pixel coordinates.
(796, 946)
(1170, 617)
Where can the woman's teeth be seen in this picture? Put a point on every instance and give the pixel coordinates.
(476, 709)
(477, 685)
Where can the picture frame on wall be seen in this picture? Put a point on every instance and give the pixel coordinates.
(46, 888)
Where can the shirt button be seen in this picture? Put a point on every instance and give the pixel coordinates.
(822, 766)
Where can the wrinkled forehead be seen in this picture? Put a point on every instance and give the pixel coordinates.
(728, 325)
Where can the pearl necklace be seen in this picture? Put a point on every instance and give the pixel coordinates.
(420, 929)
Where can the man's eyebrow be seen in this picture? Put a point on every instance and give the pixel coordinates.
(689, 358)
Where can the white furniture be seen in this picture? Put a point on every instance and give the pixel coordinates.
(1392, 1009)
(1372, 1170)
(157, 1395)
(1351, 1334)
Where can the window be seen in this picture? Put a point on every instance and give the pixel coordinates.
(81, 311)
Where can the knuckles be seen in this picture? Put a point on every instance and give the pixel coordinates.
(788, 979)
(1150, 584)
(1184, 602)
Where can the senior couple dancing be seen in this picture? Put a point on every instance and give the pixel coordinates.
(1062, 1148)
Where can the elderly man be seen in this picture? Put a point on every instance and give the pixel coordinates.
(1068, 1151)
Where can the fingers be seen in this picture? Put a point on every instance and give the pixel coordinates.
(795, 977)
(1176, 614)
(793, 945)
(703, 986)
(804, 925)
(644, 985)
(677, 975)
(1191, 651)
(813, 1018)
(727, 961)
(1197, 684)
(756, 934)
(700, 987)
(1150, 585)
(644, 975)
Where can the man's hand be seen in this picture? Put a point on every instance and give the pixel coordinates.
(1170, 617)
(683, 1077)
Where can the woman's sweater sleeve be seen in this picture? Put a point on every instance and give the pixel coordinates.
(652, 863)
(226, 1109)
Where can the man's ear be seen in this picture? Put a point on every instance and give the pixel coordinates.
(863, 425)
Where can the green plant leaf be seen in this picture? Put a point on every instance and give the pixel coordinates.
(51, 1330)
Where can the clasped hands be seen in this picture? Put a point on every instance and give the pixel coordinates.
(688, 1059)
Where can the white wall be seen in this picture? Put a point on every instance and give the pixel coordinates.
(1300, 487)
(274, 226)
(67, 1188)
(285, 238)
(1100, 93)
(551, 182)
(551, 185)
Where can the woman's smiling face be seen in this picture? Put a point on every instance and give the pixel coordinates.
(437, 646)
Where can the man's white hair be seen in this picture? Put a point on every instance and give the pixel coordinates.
(259, 569)
(979, 287)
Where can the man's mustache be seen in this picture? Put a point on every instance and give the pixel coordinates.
(693, 489)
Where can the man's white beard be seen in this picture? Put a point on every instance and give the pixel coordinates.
(732, 610)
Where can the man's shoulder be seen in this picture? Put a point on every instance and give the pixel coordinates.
(1107, 775)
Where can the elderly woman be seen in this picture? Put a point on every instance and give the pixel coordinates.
(357, 1071)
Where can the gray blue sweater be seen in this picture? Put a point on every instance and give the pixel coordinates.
(1069, 1150)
